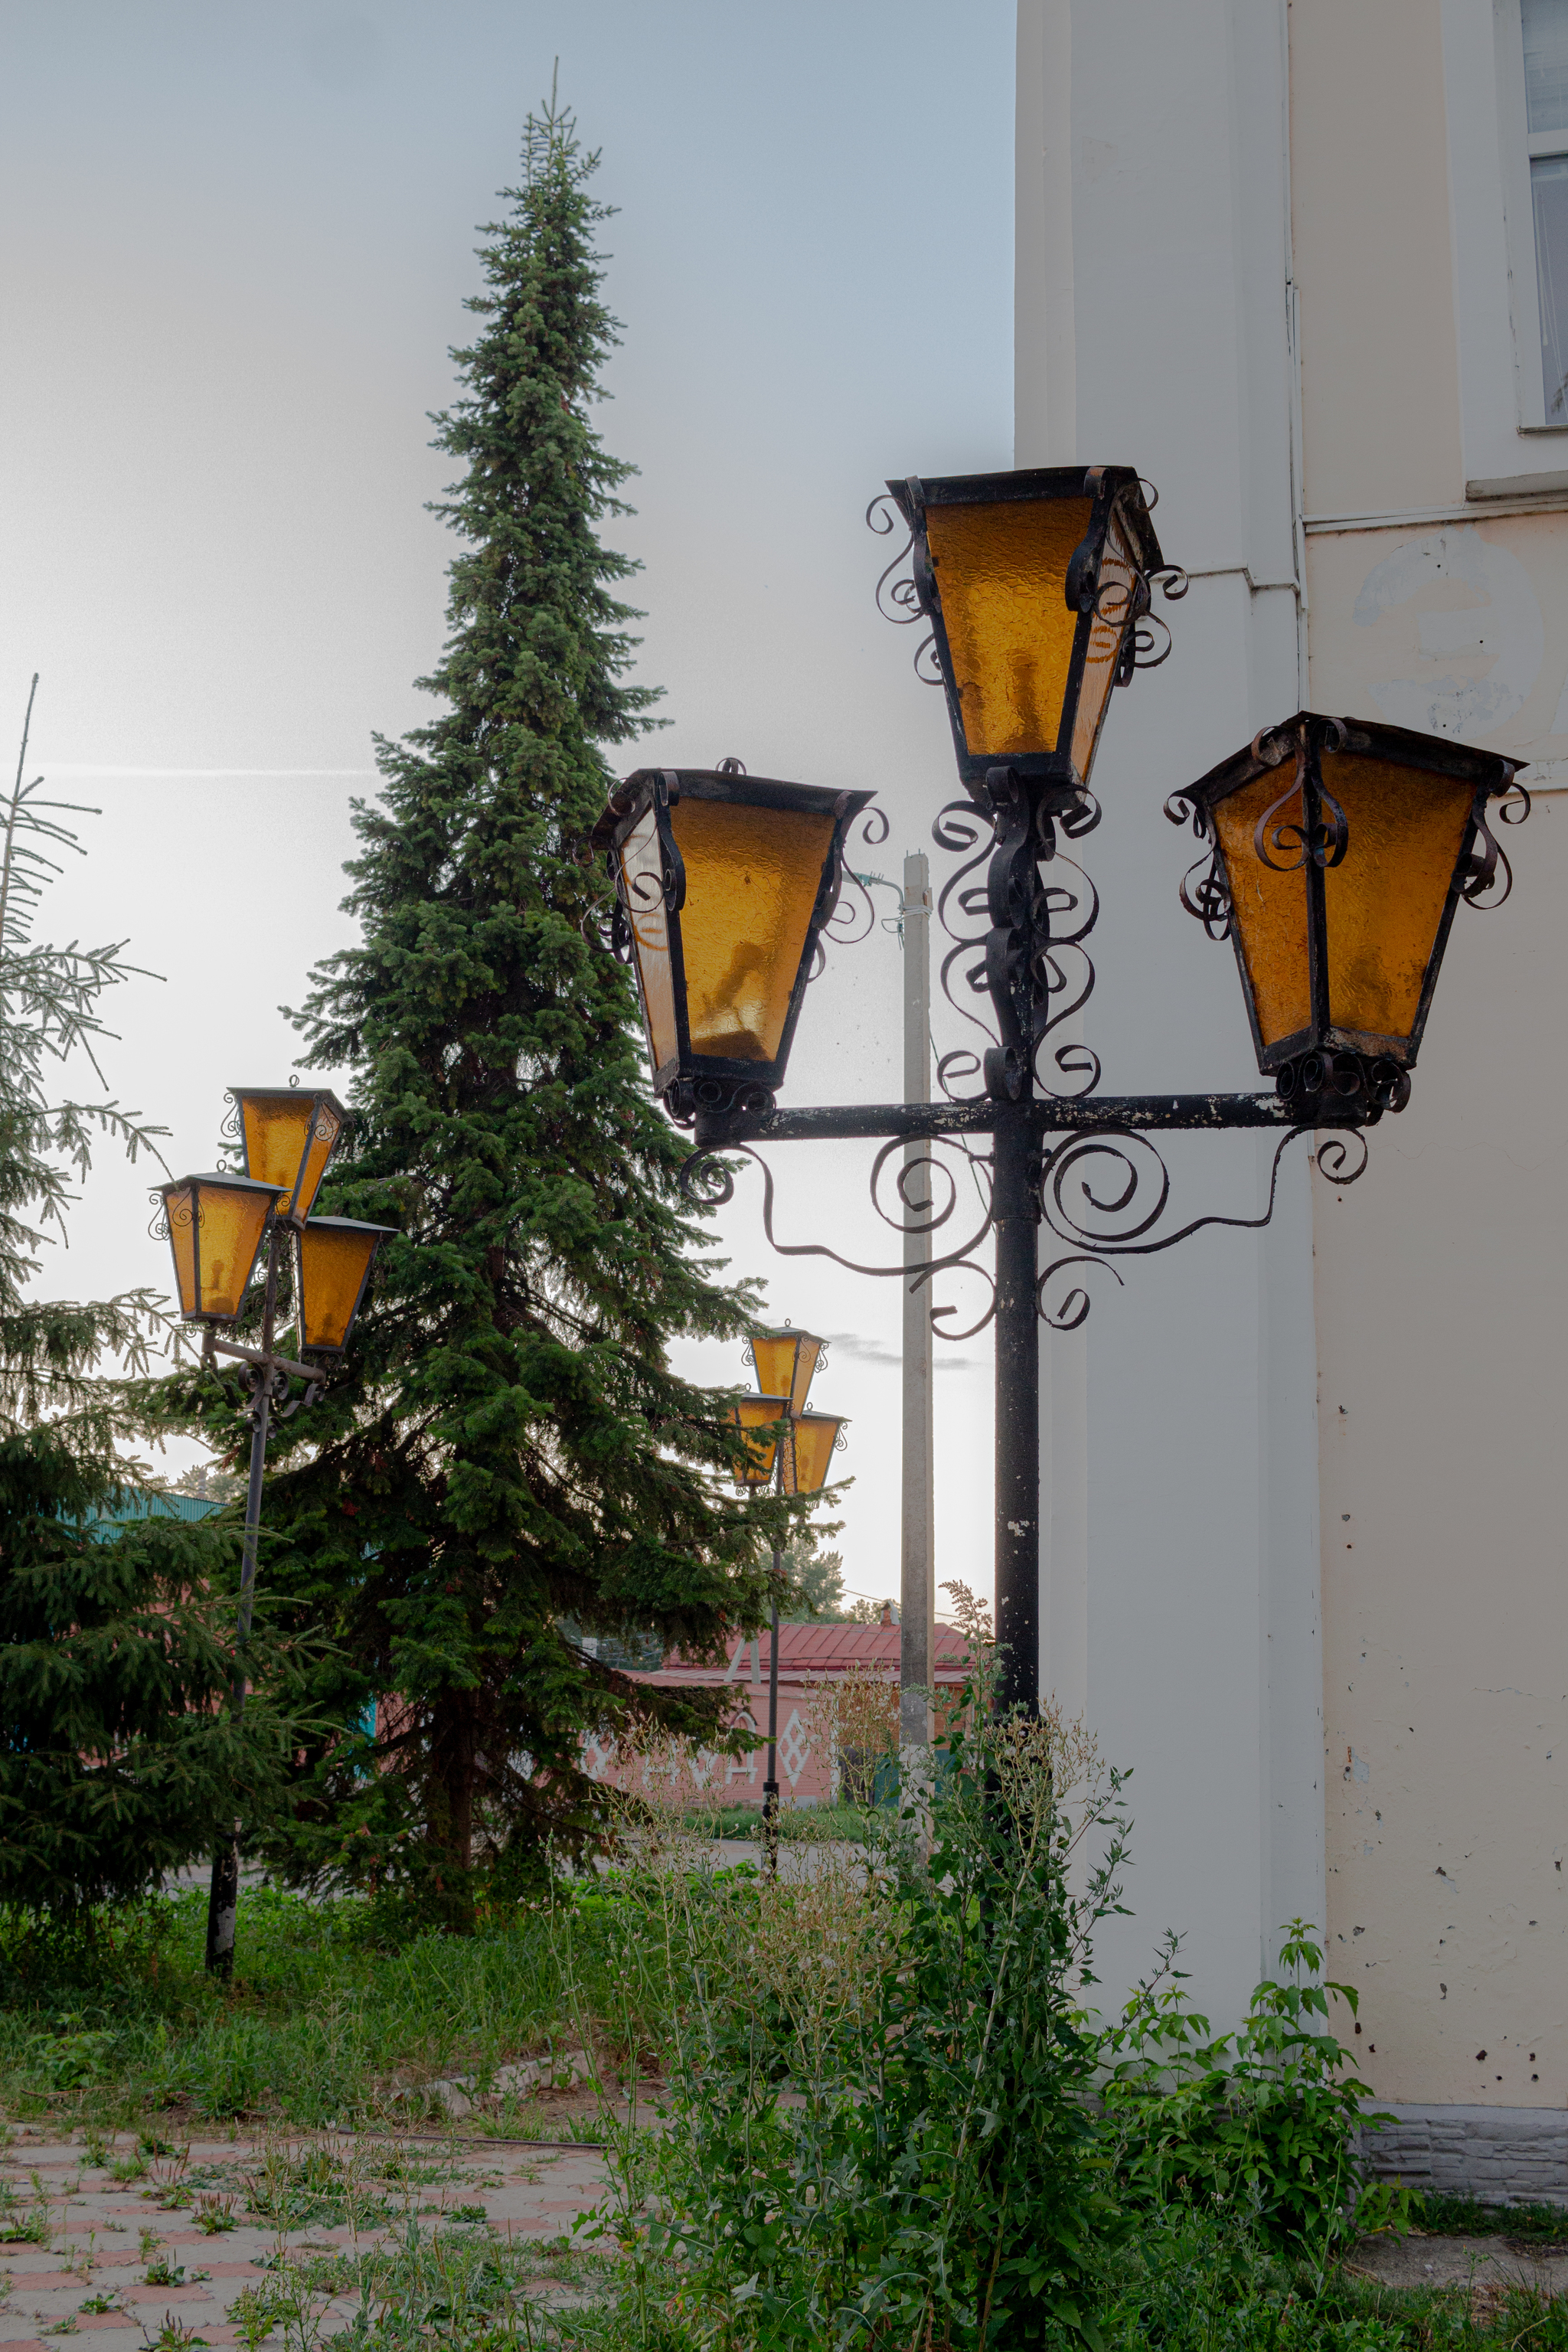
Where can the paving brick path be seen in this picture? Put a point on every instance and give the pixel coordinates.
(96, 2249)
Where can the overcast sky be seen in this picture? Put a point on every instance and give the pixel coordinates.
(237, 241)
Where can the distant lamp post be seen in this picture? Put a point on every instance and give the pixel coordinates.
(1337, 879)
(798, 1448)
(1341, 850)
(217, 1225)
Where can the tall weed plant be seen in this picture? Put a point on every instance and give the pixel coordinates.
(879, 2115)
(890, 2114)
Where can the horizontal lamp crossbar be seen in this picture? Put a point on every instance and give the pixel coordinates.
(261, 1356)
(916, 1121)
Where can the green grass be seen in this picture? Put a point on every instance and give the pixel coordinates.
(1467, 2217)
(329, 2015)
(325, 2022)
(818, 1821)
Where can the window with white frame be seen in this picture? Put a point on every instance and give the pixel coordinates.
(1545, 27)
(1532, 93)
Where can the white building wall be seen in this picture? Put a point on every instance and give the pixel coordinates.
(1179, 1437)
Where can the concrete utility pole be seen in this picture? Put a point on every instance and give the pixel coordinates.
(917, 1648)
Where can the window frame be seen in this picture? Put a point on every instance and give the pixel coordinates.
(1519, 147)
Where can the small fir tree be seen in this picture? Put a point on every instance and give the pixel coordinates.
(509, 1464)
(116, 1757)
(815, 1582)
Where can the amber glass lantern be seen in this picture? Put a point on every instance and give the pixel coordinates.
(1340, 849)
(723, 882)
(217, 1225)
(332, 1266)
(786, 1362)
(759, 1420)
(1033, 584)
(288, 1135)
(809, 1444)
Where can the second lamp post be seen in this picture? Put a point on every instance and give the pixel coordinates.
(218, 1225)
(789, 1448)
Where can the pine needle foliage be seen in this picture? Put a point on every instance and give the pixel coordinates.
(49, 1019)
(508, 1463)
(118, 1755)
(116, 1761)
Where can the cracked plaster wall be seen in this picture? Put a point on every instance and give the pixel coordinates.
(1441, 1278)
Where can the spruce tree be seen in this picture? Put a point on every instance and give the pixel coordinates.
(116, 1642)
(508, 1463)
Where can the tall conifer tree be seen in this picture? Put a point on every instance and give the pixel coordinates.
(511, 1465)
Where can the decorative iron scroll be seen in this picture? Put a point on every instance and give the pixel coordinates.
(851, 917)
(899, 600)
(1073, 1194)
(705, 1179)
(1102, 1191)
(1487, 862)
(1019, 934)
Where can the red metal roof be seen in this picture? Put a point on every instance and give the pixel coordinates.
(806, 1651)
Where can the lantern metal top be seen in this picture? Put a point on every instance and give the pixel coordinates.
(723, 882)
(1339, 849)
(1035, 583)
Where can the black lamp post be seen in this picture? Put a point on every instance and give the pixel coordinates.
(786, 1446)
(1337, 882)
(217, 1225)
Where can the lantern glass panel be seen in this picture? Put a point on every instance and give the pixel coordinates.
(231, 1224)
(180, 1209)
(1385, 901)
(1001, 574)
(786, 1362)
(334, 1258)
(757, 1419)
(809, 1456)
(215, 1228)
(752, 881)
(325, 1133)
(1113, 610)
(642, 870)
(1271, 911)
(288, 1138)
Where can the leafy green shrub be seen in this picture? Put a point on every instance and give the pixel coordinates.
(1264, 2122)
(66, 2061)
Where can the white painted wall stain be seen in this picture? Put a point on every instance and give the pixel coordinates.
(1503, 629)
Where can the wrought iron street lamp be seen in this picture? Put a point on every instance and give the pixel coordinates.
(217, 1225)
(784, 1445)
(1338, 852)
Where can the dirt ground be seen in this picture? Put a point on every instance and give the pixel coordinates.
(1421, 2260)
